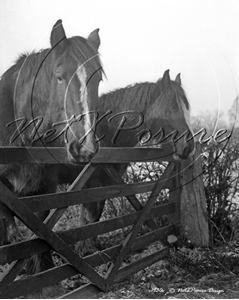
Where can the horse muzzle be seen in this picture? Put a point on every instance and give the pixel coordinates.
(81, 152)
(187, 151)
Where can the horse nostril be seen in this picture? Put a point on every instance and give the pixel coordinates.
(186, 151)
(82, 152)
(75, 148)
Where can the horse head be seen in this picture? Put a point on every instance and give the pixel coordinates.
(175, 115)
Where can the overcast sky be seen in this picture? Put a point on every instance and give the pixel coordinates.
(140, 40)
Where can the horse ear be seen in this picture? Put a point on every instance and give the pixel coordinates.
(178, 79)
(166, 79)
(58, 37)
(94, 39)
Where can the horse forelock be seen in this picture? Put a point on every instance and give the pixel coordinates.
(176, 88)
(81, 53)
(180, 93)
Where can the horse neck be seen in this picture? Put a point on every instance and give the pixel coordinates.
(18, 109)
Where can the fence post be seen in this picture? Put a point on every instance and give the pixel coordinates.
(174, 197)
(194, 224)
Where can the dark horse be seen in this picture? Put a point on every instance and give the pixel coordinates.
(44, 100)
(129, 117)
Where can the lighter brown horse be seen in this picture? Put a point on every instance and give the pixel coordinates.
(44, 100)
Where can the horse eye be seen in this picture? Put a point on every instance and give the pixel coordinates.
(59, 79)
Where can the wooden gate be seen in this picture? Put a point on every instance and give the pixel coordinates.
(45, 238)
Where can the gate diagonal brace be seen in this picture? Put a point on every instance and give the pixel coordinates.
(138, 223)
(50, 221)
(110, 171)
(41, 230)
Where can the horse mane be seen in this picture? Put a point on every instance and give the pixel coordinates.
(31, 62)
(79, 43)
(139, 95)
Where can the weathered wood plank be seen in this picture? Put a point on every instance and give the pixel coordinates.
(127, 155)
(194, 215)
(140, 242)
(20, 250)
(31, 155)
(30, 284)
(141, 264)
(88, 291)
(54, 275)
(50, 201)
(56, 155)
(174, 195)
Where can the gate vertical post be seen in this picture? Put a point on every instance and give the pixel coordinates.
(175, 196)
(194, 224)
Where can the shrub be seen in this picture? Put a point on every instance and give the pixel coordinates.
(221, 183)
